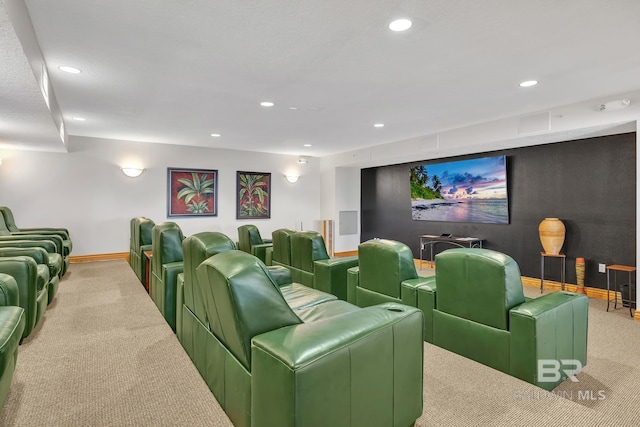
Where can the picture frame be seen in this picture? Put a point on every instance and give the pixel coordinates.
(192, 192)
(253, 195)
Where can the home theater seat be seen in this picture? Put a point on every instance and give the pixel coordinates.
(269, 365)
(476, 307)
(12, 323)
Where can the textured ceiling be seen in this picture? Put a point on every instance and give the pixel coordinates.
(175, 72)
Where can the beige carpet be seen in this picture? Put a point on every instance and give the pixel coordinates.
(103, 356)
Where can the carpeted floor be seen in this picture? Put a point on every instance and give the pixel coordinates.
(103, 356)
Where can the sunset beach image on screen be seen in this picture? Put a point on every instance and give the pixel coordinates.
(470, 190)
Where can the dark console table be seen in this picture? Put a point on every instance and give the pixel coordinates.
(431, 240)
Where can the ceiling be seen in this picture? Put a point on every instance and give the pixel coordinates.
(175, 72)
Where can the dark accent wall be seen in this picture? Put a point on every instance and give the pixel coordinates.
(590, 184)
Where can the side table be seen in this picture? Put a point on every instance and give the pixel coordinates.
(616, 286)
(147, 273)
(563, 259)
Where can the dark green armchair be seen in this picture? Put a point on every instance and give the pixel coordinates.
(12, 322)
(54, 263)
(305, 254)
(32, 291)
(140, 234)
(46, 274)
(251, 242)
(166, 264)
(327, 363)
(386, 272)
(476, 307)
(10, 222)
(7, 236)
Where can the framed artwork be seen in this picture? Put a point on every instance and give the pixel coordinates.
(192, 192)
(253, 193)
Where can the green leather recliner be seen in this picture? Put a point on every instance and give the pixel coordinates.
(62, 233)
(189, 304)
(32, 292)
(140, 236)
(55, 262)
(7, 236)
(475, 306)
(251, 242)
(305, 254)
(12, 322)
(166, 264)
(324, 363)
(9, 220)
(386, 272)
(46, 274)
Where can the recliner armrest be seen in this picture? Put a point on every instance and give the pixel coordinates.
(321, 371)
(330, 275)
(552, 327)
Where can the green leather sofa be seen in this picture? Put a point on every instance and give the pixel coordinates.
(291, 355)
(60, 248)
(386, 273)
(475, 307)
(12, 323)
(46, 274)
(251, 242)
(32, 291)
(305, 254)
(166, 264)
(140, 234)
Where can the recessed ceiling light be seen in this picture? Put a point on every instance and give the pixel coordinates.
(215, 135)
(378, 125)
(307, 145)
(67, 69)
(293, 108)
(400, 25)
(529, 83)
(79, 119)
(267, 104)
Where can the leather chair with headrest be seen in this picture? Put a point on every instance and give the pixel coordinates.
(140, 233)
(12, 322)
(166, 264)
(327, 364)
(476, 307)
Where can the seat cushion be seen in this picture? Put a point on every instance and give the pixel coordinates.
(325, 310)
(299, 296)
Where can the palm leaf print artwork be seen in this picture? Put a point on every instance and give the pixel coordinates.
(254, 200)
(192, 192)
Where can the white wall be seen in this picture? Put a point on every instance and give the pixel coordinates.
(85, 191)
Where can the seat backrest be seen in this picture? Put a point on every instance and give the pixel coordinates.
(9, 221)
(25, 271)
(480, 285)
(241, 297)
(307, 247)
(248, 235)
(384, 264)
(282, 245)
(141, 232)
(166, 245)
(197, 248)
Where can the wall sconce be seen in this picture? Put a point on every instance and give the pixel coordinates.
(292, 178)
(132, 172)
